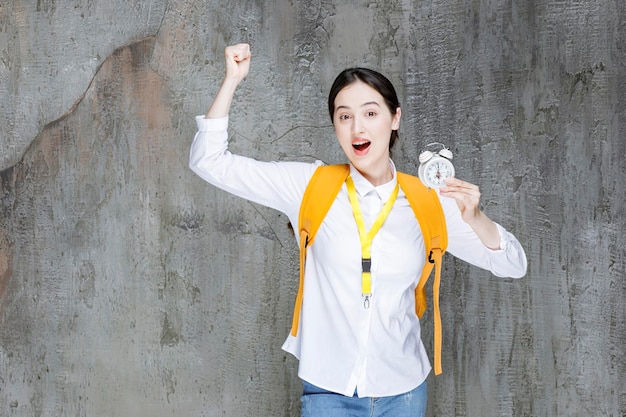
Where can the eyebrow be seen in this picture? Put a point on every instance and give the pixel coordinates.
(362, 105)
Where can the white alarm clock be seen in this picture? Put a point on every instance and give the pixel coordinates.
(435, 167)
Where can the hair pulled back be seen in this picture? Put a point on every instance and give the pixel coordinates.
(372, 78)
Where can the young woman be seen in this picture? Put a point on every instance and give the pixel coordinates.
(355, 361)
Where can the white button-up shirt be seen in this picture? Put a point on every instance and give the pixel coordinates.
(342, 346)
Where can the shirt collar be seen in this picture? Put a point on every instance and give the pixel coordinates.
(364, 187)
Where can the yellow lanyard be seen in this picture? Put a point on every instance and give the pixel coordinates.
(368, 237)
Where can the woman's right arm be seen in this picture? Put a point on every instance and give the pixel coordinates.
(279, 185)
(237, 67)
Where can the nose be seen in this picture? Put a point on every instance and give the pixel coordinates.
(357, 126)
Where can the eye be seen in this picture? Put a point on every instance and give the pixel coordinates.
(370, 113)
(344, 116)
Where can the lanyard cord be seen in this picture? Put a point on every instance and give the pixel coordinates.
(367, 237)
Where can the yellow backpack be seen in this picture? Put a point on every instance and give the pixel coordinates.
(319, 196)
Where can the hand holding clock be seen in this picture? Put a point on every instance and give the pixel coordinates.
(436, 171)
(467, 198)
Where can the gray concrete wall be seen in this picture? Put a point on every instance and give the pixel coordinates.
(128, 287)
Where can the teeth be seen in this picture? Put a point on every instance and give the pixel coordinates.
(360, 145)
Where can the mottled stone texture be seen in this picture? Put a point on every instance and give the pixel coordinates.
(128, 287)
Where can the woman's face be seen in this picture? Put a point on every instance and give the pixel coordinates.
(363, 124)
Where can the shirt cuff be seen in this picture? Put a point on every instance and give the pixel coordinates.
(211, 125)
(504, 238)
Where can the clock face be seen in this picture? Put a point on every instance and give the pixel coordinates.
(434, 172)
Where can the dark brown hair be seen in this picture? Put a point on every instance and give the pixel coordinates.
(372, 78)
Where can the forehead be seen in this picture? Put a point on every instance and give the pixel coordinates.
(357, 94)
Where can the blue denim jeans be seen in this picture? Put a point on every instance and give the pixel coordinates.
(317, 402)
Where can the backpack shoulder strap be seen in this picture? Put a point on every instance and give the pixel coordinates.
(429, 213)
(319, 195)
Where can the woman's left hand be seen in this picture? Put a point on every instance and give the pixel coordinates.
(467, 197)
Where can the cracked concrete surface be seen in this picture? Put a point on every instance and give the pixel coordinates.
(130, 287)
(50, 52)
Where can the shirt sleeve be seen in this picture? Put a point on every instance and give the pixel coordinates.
(279, 185)
(508, 261)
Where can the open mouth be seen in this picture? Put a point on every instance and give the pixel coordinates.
(361, 145)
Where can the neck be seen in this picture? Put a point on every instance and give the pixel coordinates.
(379, 176)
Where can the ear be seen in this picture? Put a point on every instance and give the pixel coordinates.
(395, 123)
